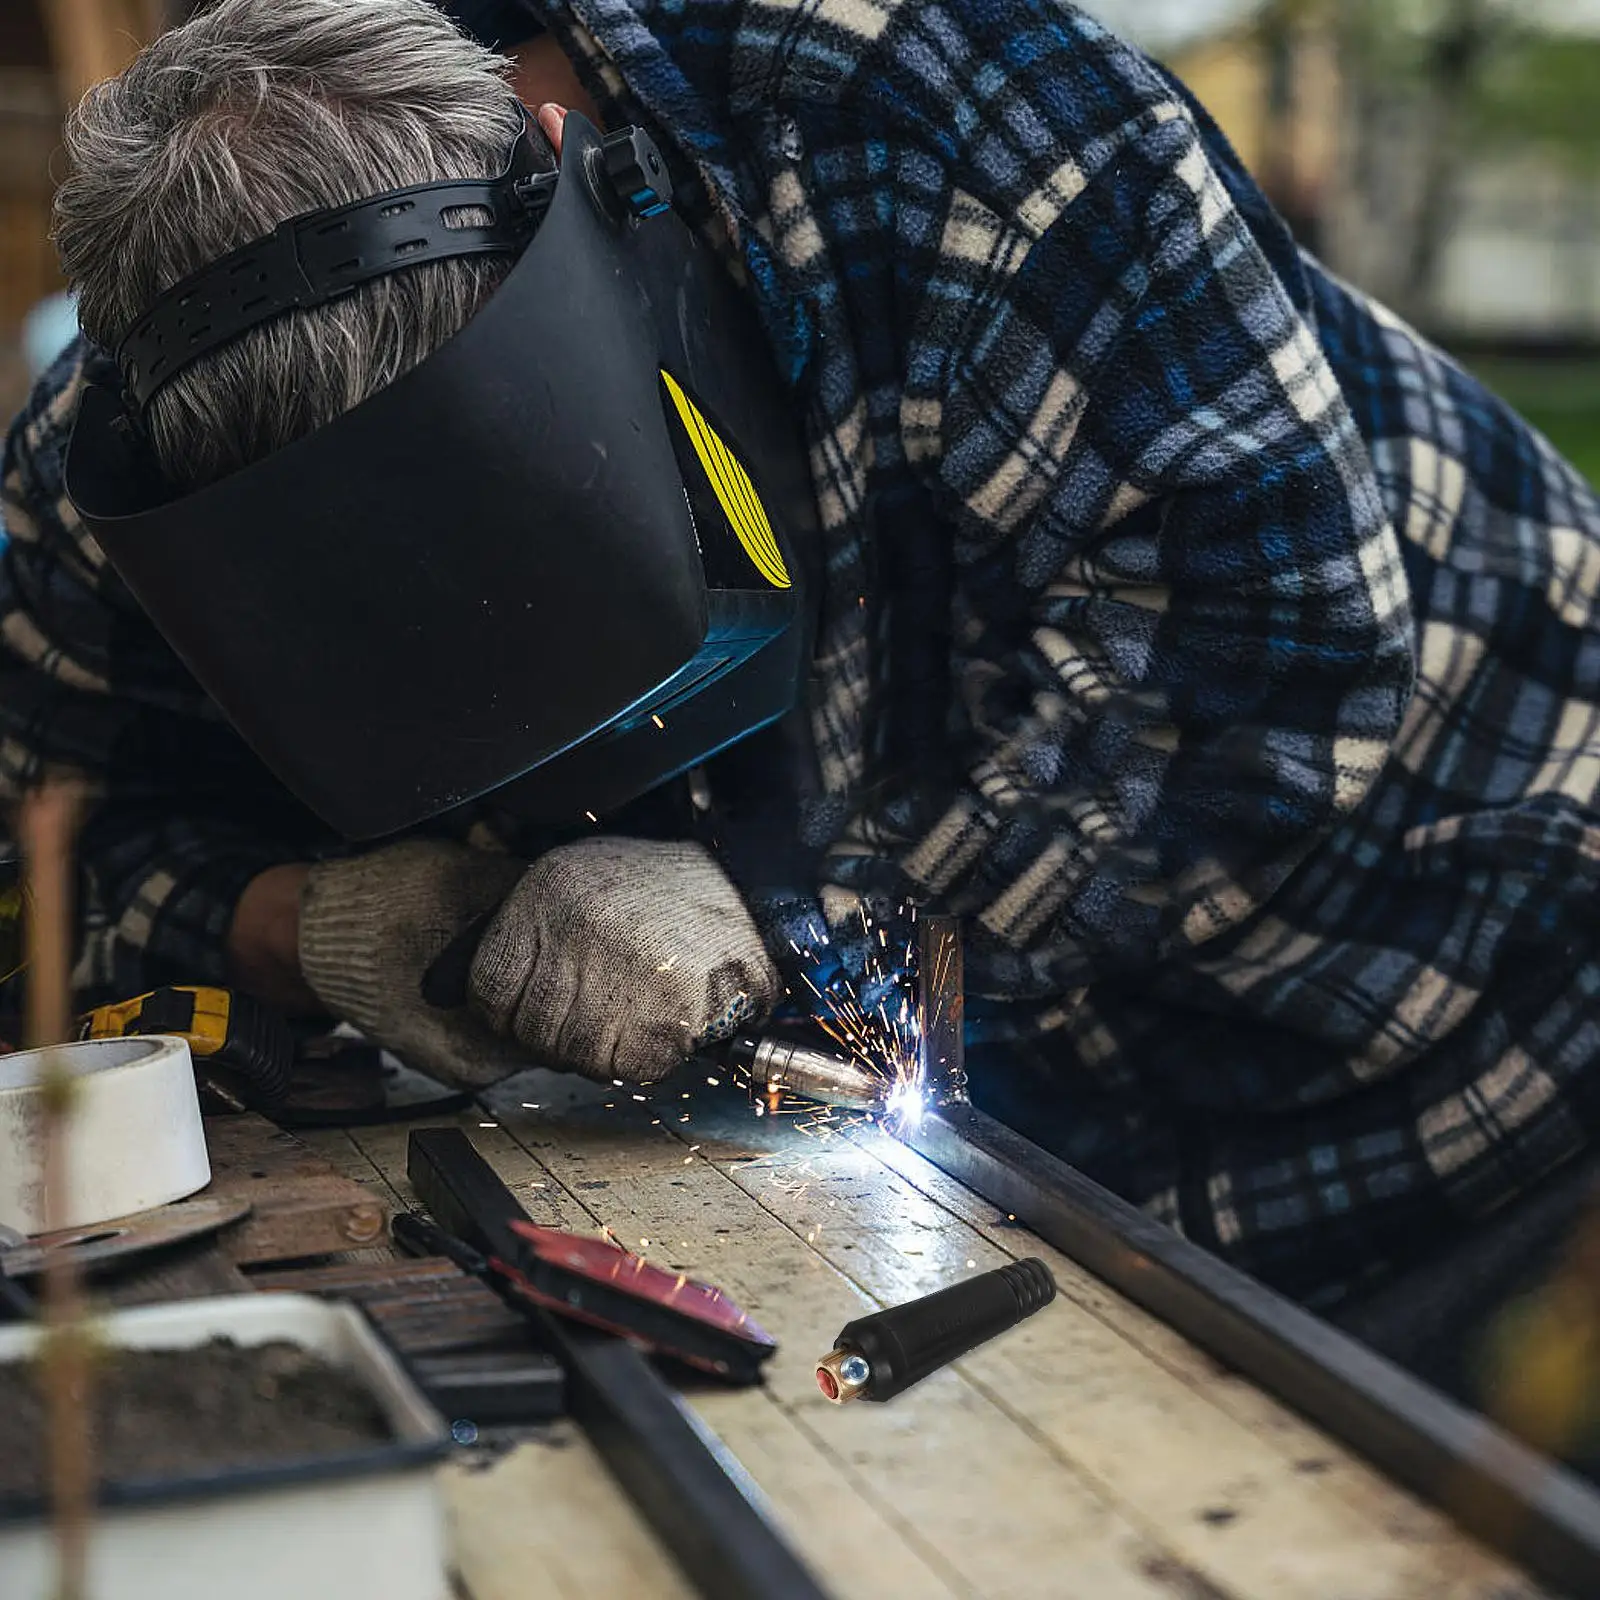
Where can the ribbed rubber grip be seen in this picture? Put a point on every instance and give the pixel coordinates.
(1032, 1283)
(908, 1343)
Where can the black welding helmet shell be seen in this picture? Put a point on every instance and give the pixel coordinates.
(564, 553)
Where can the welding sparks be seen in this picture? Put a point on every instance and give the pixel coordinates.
(889, 1039)
(885, 1035)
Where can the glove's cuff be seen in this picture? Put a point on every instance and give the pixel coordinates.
(370, 926)
(337, 960)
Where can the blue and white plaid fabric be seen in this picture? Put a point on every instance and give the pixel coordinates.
(1215, 646)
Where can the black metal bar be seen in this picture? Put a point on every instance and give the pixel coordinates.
(1544, 1517)
(701, 1502)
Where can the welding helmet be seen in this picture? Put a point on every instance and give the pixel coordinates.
(561, 559)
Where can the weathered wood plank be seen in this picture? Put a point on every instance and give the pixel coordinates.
(1235, 1488)
(1222, 1499)
(1303, 1448)
(547, 1519)
(941, 1493)
(1092, 1451)
(545, 1200)
(299, 1205)
(338, 1147)
(752, 1426)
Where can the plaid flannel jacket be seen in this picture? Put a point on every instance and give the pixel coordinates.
(1211, 642)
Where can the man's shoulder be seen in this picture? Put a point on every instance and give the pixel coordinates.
(38, 435)
(1047, 64)
(33, 478)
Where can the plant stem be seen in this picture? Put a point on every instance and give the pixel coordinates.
(47, 824)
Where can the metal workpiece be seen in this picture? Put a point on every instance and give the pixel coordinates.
(1504, 1493)
(778, 1065)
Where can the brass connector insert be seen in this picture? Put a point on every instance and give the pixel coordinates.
(843, 1375)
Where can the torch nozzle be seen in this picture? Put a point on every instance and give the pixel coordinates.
(785, 1066)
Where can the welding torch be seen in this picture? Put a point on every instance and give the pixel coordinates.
(781, 1065)
(775, 1063)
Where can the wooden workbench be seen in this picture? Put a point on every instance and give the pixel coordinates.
(1090, 1453)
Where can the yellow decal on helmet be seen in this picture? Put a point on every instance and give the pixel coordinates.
(735, 492)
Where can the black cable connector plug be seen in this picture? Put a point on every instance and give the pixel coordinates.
(878, 1357)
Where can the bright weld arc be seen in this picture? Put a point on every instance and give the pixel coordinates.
(891, 1047)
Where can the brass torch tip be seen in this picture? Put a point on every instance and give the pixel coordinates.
(785, 1066)
(843, 1375)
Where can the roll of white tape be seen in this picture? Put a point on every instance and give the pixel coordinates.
(135, 1139)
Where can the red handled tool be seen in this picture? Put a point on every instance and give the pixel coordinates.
(601, 1284)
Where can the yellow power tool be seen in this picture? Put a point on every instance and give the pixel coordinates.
(243, 1049)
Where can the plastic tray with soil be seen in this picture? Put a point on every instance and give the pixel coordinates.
(165, 1415)
(273, 1439)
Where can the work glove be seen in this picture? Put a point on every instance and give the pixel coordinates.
(619, 958)
(371, 926)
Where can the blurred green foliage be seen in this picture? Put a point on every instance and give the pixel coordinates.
(1521, 83)
(1542, 89)
(1560, 398)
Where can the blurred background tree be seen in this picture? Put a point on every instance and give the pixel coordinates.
(1443, 155)
(50, 52)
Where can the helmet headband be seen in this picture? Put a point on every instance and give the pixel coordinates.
(323, 255)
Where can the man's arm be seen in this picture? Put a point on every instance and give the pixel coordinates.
(263, 950)
(187, 850)
(1170, 544)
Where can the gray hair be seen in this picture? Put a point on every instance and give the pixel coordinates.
(253, 112)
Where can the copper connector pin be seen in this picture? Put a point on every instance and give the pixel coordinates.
(843, 1375)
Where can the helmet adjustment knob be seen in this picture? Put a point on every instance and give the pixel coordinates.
(637, 172)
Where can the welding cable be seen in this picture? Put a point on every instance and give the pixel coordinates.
(882, 1355)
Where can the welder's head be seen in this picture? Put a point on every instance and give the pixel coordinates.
(254, 112)
(446, 468)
